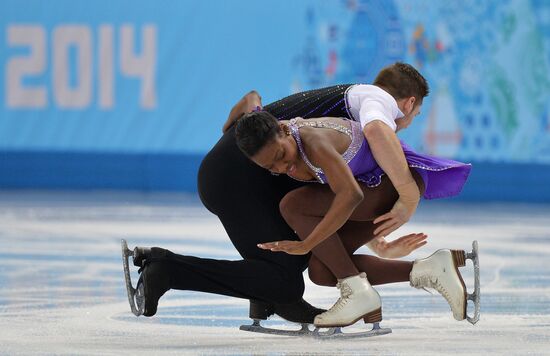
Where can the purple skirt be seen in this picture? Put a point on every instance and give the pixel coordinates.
(442, 177)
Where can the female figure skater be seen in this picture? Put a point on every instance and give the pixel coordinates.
(335, 151)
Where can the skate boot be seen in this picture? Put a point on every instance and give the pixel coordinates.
(300, 312)
(140, 254)
(358, 300)
(154, 278)
(440, 272)
(259, 310)
(153, 282)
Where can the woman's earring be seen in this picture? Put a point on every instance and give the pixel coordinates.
(274, 174)
(287, 130)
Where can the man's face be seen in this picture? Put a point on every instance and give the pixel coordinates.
(406, 120)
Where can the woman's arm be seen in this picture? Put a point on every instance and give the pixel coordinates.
(249, 102)
(347, 193)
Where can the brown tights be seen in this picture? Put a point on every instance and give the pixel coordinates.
(334, 258)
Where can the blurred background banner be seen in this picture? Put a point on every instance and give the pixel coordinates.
(131, 95)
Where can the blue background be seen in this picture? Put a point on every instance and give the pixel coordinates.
(487, 64)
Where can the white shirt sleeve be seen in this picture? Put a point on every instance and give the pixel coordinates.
(372, 110)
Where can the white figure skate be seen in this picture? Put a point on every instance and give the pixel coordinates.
(301, 313)
(440, 272)
(358, 301)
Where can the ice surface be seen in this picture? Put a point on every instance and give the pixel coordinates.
(62, 289)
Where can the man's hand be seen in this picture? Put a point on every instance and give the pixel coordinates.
(290, 247)
(397, 217)
(248, 103)
(401, 247)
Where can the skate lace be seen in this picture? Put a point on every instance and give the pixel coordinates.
(345, 292)
(435, 284)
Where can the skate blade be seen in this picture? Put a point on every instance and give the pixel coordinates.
(257, 328)
(133, 293)
(474, 297)
(316, 333)
(337, 333)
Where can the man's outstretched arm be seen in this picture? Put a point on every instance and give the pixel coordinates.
(398, 248)
(388, 153)
(249, 102)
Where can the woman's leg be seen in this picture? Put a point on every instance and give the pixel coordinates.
(353, 235)
(304, 208)
(331, 251)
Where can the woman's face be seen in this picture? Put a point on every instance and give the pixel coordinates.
(279, 155)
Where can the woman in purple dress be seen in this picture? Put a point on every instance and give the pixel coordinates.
(336, 220)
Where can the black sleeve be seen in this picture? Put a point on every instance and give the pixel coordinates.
(329, 101)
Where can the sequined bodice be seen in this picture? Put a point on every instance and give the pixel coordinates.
(354, 133)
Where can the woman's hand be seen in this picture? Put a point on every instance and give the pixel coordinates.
(290, 247)
(400, 247)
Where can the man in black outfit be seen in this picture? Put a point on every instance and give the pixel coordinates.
(246, 199)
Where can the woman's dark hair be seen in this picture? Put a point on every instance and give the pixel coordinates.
(402, 80)
(254, 130)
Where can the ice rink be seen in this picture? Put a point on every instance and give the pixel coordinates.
(62, 289)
